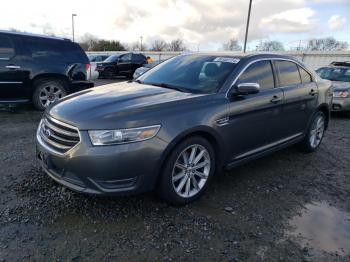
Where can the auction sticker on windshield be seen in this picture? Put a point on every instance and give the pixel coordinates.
(226, 60)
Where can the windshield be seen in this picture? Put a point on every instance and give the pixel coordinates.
(112, 58)
(335, 74)
(191, 73)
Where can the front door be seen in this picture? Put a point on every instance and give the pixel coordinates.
(254, 119)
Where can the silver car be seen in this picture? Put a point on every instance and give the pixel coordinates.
(143, 69)
(339, 74)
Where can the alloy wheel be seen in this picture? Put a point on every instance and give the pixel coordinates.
(317, 131)
(191, 171)
(50, 94)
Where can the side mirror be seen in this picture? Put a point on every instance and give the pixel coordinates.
(247, 88)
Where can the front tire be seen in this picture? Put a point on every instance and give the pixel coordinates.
(47, 91)
(315, 133)
(108, 74)
(187, 171)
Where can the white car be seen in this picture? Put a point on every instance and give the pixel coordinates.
(94, 59)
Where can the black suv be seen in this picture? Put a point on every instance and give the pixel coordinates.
(40, 69)
(121, 65)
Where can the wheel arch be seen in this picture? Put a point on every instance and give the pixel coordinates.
(204, 131)
(40, 77)
(324, 108)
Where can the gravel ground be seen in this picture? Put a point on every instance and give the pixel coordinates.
(244, 216)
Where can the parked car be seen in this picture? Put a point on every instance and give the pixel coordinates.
(94, 59)
(139, 71)
(173, 128)
(40, 69)
(121, 65)
(339, 74)
(97, 58)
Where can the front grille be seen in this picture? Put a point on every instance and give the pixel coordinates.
(58, 136)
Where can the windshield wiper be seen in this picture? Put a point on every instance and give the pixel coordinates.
(169, 86)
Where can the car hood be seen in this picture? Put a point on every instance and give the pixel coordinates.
(102, 64)
(339, 85)
(120, 105)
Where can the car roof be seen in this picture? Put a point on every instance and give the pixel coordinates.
(33, 35)
(334, 66)
(242, 56)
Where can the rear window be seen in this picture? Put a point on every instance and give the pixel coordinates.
(7, 50)
(138, 57)
(288, 73)
(57, 50)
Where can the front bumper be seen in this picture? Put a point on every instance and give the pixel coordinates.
(105, 170)
(341, 104)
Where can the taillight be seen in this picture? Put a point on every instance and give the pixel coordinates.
(87, 66)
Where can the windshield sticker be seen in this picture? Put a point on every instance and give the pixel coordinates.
(227, 60)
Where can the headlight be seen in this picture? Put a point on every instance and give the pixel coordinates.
(121, 136)
(342, 94)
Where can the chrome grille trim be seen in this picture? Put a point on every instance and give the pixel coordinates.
(56, 136)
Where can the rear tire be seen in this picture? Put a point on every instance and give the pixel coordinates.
(315, 133)
(187, 171)
(48, 91)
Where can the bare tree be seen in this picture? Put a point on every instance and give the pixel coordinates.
(270, 46)
(176, 45)
(232, 45)
(158, 45)
(326, 44)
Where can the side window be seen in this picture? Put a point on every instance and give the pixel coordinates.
(288, 73)
(125, 58)
(260, 72)
(7, 50)
(305, 76)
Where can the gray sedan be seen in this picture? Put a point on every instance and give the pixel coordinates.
(182, 122)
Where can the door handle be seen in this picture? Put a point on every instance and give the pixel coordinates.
(275, 99)
(312, 92)
(13, 67)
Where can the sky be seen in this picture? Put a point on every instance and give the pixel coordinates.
(202, 24)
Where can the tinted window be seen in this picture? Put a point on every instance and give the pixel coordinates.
(125, 58)
(259, 72)
(54, 50)
(305, 76)
(288, 73)
(138, 57)
(112, 58)
(193, 73)
(7, 50)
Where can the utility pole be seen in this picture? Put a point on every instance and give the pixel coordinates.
(73, 15)
(141, 43)
(247, 27)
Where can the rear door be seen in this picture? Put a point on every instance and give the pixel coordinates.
(12, 77)
(300, 93)
(137, 61)
(124, 64)
(255, 119)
